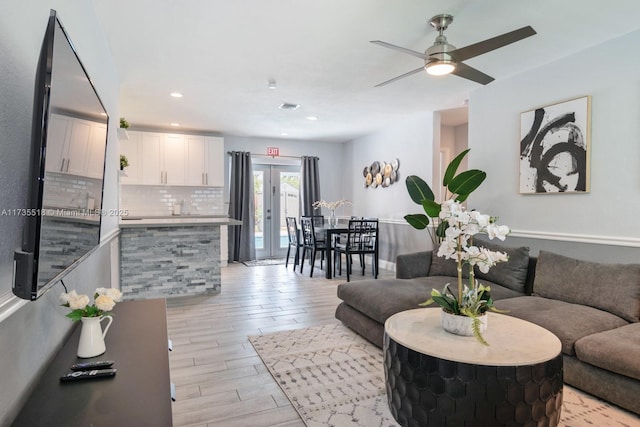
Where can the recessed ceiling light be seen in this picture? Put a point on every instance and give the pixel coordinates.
(312, 118)
(284, 134)
(175, 124)
(176, 94)
(272, 84)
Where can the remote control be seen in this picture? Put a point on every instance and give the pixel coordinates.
(87, 375)
(87, 366)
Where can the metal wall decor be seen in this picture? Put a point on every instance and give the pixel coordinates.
(381, 174)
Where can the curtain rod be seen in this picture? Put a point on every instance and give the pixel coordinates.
(273, 157)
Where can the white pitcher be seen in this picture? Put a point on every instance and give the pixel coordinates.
(92, 337)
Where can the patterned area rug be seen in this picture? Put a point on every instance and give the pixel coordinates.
(333, 377)
(266, 261)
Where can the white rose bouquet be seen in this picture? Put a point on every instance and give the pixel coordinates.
(105, 300)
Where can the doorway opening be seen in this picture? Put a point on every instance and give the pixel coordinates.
(452, 138)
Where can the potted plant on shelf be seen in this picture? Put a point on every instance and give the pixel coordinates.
(453, 228)
(122, 130)
(124, 162)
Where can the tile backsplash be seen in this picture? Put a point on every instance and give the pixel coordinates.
(159, 200)
(71, 191)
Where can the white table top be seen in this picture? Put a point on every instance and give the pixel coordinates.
(512, 341)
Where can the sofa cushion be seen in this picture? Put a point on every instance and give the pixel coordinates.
(511, 274)
(569, 322)
(379, 299)
(416, 264)
(611, 287)
(616, 350)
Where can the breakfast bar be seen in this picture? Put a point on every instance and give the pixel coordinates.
(171, 256)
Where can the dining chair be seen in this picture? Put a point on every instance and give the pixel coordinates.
(318, 222)
(294, 241)
(362, 239)
(310, 242)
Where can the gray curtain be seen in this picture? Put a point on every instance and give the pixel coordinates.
(310, 186)
(242, 245)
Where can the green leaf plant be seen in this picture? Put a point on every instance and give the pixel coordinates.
(457, 187)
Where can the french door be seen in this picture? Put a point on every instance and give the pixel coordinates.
(276, 190)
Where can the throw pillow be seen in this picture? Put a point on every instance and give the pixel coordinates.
(610, 287)
(511, 274)
(441, 266)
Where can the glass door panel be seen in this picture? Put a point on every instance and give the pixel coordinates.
(276, 193)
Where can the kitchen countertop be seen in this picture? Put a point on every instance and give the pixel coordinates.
(176, 221)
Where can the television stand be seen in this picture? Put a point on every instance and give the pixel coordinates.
(138, 395)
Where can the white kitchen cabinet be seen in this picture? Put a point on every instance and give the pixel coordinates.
(96, 153)
(163, 159)
(57, 137)
(152, 168)
(173, 159)
(75, 146)
(205, 160)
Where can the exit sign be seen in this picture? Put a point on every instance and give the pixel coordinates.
(273, 151)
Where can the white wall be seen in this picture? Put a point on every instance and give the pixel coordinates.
(411, 142)
(29, 336)
(608, 214)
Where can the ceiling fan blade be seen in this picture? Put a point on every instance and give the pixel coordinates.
(467, 72)
(417, 70)
(493, 43)
(420, 55)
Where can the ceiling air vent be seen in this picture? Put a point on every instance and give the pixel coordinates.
(287, 106)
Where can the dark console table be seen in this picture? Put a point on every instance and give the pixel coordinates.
(138, 395)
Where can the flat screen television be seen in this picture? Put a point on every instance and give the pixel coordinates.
(66, 179)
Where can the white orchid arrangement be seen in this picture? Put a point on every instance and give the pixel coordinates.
(461, 226)
(450, 224)
(105, 300)
(330, 205)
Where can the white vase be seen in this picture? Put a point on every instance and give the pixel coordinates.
(461, 325)
(91, 342)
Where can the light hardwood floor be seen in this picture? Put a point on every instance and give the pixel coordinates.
(219, 378)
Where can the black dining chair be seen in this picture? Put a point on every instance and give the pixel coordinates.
(310, 242)
(294, 241)
(318, 222)
(361, 240)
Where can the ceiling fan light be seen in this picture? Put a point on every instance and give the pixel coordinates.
(440, 68)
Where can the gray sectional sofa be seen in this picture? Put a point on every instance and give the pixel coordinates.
(593, 308)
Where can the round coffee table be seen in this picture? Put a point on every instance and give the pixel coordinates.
(434, 378)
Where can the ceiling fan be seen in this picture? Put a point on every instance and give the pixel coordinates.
(444, 58)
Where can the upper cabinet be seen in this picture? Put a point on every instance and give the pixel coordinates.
(75, 146)
(205, 160)
(173, 159)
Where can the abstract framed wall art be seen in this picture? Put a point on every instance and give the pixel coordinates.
(554, 148)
